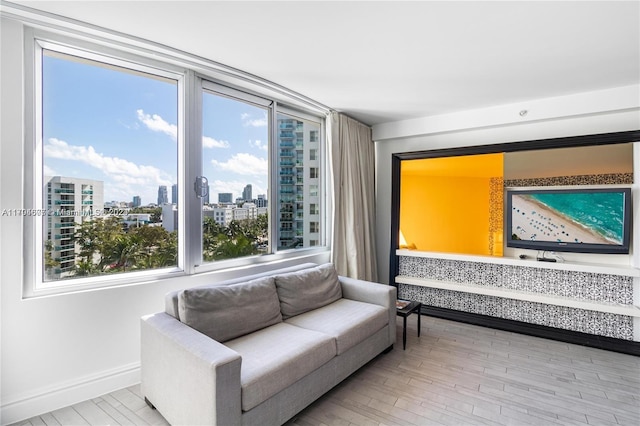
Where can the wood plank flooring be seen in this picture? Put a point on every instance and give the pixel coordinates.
(454, 374)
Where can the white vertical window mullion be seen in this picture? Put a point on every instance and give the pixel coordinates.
(325, 184)
(274, 232)
(192, 217)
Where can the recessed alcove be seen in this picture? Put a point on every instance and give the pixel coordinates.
(449, 250)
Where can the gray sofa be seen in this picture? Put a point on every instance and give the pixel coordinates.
(257, 350)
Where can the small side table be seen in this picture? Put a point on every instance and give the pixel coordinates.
(404, 312)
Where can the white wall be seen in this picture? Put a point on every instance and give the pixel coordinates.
(63, 349)
(603, 111)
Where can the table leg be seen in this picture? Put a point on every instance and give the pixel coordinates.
(404, 332)
(419, 316)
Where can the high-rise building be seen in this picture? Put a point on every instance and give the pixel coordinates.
(174, 194)
(163, 197)
(137, 201)
(225, 198)
(206, 199)
(298, 183)
(247, 193)
(261, 201)
(70, 202)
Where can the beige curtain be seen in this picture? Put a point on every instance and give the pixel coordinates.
(352, 155)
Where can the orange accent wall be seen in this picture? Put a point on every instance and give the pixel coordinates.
(442, 209)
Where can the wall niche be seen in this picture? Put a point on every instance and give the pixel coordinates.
(455, 203)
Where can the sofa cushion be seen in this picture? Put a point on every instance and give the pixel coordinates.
(226, 312)
(171, 298)
(276, 357)
(348, 321)
(308, 289)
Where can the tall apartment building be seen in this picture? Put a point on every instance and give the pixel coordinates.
(174, 194)
(206, 199)
(69, 202)
(298, 183)
(163, 197)
(247, 193)
(137, 201)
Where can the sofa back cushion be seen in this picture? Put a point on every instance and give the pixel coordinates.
(171, 298)
(226, 312)
(308, 289)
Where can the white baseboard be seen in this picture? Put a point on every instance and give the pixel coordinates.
(51, 398)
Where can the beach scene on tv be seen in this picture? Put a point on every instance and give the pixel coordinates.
(588, 218)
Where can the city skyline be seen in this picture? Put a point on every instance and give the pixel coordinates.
(124, 133)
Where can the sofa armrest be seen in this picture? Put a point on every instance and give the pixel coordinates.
(367, 291)
(189, 377)
(370, 292)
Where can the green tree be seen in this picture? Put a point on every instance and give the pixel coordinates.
(85, 268)
(156, 215)
(233, 247)
(158, 247)
(49, 262)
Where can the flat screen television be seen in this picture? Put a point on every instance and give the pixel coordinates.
(571, 220)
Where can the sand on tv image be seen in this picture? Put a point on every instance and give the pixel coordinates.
(568, 217)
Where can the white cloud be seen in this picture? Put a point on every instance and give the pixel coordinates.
(254, 122)
(243, 164)
(118, 169)
(48, 171)
(158, 124)
(259, 144)
(209, 142)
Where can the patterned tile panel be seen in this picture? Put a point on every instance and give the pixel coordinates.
(602, 179)
(580, 320)
(577, 285)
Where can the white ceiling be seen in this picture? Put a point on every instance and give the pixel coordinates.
(387, 60)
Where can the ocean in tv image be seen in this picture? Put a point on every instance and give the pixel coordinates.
(580, 217)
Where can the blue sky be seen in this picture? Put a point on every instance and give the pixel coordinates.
(120, 128)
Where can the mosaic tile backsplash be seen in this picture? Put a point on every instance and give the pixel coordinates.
(578, 285)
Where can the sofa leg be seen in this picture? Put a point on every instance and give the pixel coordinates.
(149, 403)
(389, 349)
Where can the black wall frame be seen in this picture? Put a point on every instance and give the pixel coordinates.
(520, 327)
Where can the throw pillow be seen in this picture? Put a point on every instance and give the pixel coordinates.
(308, 289)
(226, 312)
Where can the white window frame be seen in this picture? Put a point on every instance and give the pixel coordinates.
(193, 75)
(35, 43)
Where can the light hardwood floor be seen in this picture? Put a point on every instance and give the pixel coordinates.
(454, 374)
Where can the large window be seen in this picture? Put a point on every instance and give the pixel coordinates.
(145, 169)
(234, 160)
(109, 154)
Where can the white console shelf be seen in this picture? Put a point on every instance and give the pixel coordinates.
(612, 308)
(622, 270)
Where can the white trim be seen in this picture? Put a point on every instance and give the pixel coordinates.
(59, 395)
(596, 268)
